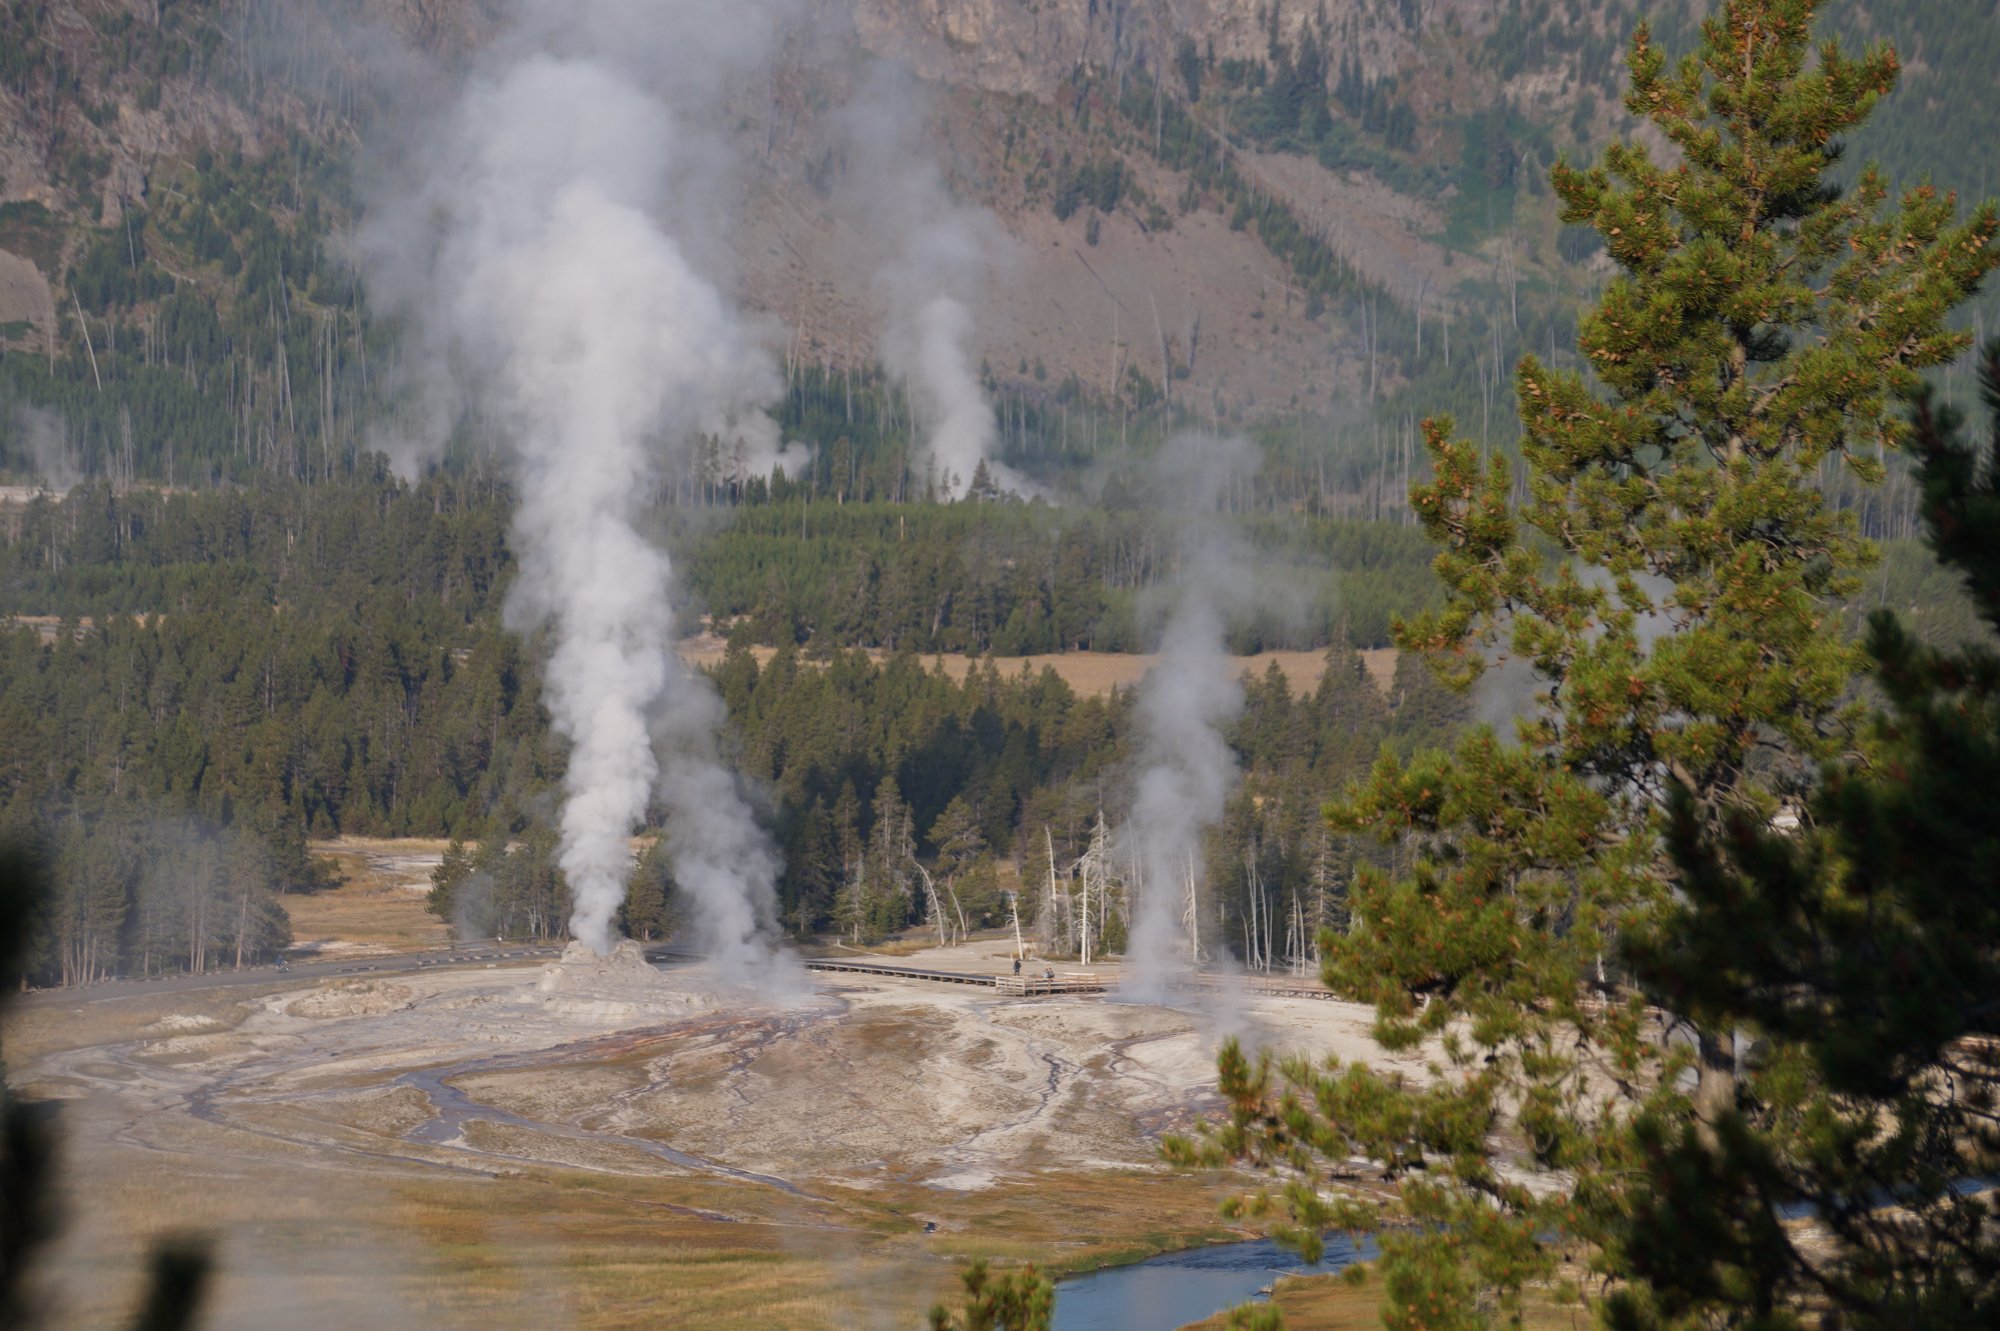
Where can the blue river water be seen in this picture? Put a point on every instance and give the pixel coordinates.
(1176, 1288)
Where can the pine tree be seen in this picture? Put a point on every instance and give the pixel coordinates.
(483, 906)
(648, 913)
(854, 904)
(812, 861)
(1009, 1301)
(891, 856)
(94, 877)
(958, 838)
(530, 890)
(1687, 635)
(1870, 961)
(1187, 60)
(452, 872)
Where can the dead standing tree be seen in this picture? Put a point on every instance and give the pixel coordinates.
(1056, 929)
(1094, 868)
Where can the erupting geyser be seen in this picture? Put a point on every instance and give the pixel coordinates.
(550, 247)
(1186, 702)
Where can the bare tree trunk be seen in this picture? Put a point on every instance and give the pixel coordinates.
(87, 346)
(1191, 919)
(1422, 282)
(1083, 912)
(939, 920)
(242, 927)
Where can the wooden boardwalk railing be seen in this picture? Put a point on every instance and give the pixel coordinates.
(1037, 986)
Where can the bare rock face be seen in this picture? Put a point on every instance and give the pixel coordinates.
(1030, 48)
(620, 986)
(24, 293)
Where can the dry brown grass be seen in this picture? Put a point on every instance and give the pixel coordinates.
(84, 1022)
(536, 1248)
(380, 908)
(1094, 674)
(1064, 1222)
(887, 947)
(622, 1252)
(1318, 1303)
(1333, 1303)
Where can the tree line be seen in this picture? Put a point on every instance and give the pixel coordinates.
(1000, 577)
(286, 661)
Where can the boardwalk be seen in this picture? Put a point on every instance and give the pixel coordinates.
(1009, 986)
(1041, 986)
(894, 971)
(1076, 982)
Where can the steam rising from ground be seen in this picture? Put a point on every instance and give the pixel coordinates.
(934, 258)
(42, 443)
(550, 247)
(1188, 699)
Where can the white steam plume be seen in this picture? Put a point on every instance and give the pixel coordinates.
(934, 258)
(43, 444)
(551, 249)
(1186, 702)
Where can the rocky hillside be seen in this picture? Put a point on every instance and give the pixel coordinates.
(1238, 209)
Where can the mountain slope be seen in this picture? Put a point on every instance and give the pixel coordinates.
(1228, 210)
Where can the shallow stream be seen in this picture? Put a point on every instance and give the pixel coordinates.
(1176, 1288)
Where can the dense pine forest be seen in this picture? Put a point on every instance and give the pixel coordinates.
(296, 661)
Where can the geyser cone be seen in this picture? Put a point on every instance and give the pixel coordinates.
(615, 986)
